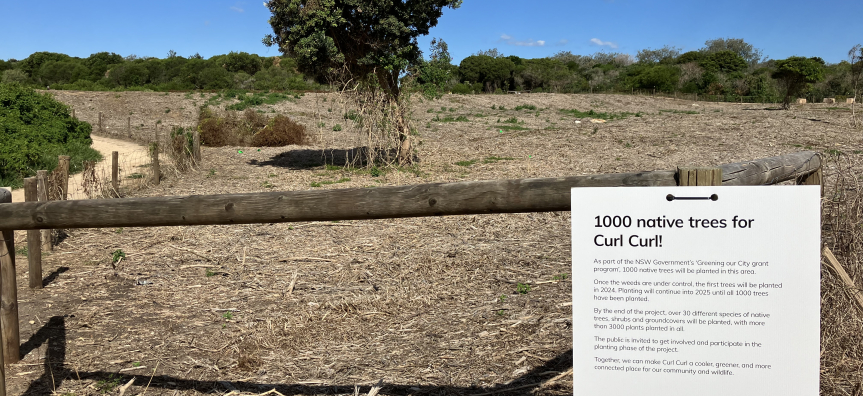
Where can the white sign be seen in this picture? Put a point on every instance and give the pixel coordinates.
(675, 293)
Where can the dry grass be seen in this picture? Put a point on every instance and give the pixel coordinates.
(841, 314)
(281, 131)
(252, 129)
(317, 308)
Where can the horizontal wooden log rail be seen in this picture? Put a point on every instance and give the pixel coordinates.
(436, 199)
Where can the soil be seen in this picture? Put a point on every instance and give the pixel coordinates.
(428, 305)
(133, 155)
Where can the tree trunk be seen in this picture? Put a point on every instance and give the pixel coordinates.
(389, 82)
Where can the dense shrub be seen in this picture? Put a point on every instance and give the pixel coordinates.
(34, 129)
(13, 77)
(280, 131)
(250, 129)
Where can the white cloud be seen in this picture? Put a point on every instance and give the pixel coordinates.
(237, 9)
(509, 40)
(603, 43)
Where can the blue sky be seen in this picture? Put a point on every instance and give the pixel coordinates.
(525, 28)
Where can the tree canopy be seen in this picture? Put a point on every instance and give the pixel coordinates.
(797, 73)
(362, 37)
(746, 51)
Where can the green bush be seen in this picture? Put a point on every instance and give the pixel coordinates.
(34, 130)
(13, 77)
(462, 89)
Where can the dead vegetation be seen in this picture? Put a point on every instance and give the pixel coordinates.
(251, 129)
(841, 308)
(430, 305)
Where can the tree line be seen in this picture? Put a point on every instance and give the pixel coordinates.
(731, 68)
(110, 71)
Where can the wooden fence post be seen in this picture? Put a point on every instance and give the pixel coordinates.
(196, 146)
(42, 192)
(8, 294)
(688, 176)
(814, 178)
(7, 259)
(154, 155)
(115, 172)
(129, 126)
(63, 164)
(34, 244)
(100, 122)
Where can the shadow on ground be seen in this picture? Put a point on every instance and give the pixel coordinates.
(308, 159)
(55, 373)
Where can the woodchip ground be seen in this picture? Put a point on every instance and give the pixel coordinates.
(429, 305)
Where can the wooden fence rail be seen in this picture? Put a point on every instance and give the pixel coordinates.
(437, 199)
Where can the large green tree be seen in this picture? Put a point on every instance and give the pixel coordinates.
(740, 47)
(796, 73)
(372, 41)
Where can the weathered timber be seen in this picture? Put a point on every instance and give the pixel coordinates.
(63, 164)
(115, 172)
(196, 147)
(813, 179)
(437, 199)
(771, 170)
(42, 192)
(34, 238)
(8, 291)
(156, 176)
(690, 176)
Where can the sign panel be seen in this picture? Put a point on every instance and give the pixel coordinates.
(696, 290)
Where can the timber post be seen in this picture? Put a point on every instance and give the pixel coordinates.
(34, 244)
(63, 164)
(42, 192)
(154, 156)
(100, 122)
(688, 176)
(196, 146)
(814, 178)
(8, 293)
(129, 126)
(115, 172)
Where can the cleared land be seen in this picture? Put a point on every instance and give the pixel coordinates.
(430, 305)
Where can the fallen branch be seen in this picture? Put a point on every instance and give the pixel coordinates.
(191, 251)
(839, 270)
(304, 259)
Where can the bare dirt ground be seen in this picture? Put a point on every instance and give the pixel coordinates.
(134, 155)
(429, 305)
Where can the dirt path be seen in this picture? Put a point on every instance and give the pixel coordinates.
(131, 154)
